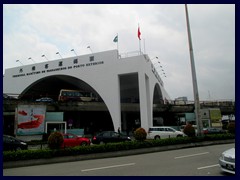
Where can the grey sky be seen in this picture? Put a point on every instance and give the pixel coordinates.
(33, 30)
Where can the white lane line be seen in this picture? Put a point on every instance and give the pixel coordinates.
(205, 167)
(106, 167)
(191, 155)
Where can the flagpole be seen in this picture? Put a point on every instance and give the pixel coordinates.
(117, 42)
(144, 50)
(139, 39)
(140, 46)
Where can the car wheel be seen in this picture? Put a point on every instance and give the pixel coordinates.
(83, 143)
(157, 137)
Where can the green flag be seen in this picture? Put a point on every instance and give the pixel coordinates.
(115, 39)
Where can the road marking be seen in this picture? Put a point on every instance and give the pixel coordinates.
(107, 167)
(205, 167)
(191, 155)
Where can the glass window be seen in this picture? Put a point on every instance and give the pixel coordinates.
(91, 58)
(70, 136)
(33, 68)
(65, 136)
(75, 61)
(60, 63)
(106, 134)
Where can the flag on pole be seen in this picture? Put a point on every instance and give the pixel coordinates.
(139, 33)
(115, 39)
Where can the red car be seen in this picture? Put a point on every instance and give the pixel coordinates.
(71, 140)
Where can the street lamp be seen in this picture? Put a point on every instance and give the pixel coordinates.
(154, 58)
(90, 48)
(59, 54)
(74, 52)
(31, 59)
(19, 62)
(45, 57)
(194, 78)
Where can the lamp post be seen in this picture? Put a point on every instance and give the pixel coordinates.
(59, 54)
(154, 58)
(158, 63)
(194, 78)
(45, 57)
(74, 52)
(19, 62)
(90, 48)
(31, 59)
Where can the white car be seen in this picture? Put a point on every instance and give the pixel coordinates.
(227, 161)
(162, 132)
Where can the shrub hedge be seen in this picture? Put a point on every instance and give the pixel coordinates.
(109, 147)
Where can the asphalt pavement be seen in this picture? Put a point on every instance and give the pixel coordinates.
(194, 161)
(13, 164)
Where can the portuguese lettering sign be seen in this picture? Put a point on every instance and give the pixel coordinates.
(34, 72)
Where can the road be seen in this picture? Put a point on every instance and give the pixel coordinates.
(200, 161)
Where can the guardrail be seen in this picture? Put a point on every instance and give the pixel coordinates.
(206, 103)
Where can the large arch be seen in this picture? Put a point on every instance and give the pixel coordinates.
(157, 95)
(50, 86)
(157, 118)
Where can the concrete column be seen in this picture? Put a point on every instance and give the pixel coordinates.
(145, 103)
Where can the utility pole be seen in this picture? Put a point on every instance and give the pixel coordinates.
(194, 79)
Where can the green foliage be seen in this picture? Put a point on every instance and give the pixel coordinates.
(231, 127)
(140, 134)
(55, 140)
(189, 130)
(110, 147)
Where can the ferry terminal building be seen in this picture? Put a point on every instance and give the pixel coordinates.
(129, 87)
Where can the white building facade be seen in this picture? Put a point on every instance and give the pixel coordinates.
(103, 72)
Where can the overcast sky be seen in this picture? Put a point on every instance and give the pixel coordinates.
(34, 30)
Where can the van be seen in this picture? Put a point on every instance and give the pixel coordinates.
(163, 132)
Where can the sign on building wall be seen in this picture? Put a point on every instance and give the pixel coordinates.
(30, 119)
(54, 116)
(215, 115)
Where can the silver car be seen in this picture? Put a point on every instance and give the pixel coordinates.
(162, 132)
(227, 161)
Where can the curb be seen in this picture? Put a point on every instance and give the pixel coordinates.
(14, 164)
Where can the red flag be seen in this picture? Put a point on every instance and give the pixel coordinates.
(139, 33)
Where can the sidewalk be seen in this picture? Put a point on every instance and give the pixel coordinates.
(14, 164)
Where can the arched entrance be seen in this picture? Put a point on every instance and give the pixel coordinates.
(91, 116)
(158, 119)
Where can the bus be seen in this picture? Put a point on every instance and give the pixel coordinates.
(76, 95)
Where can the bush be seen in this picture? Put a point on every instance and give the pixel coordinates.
(110, 147)
(55, 140)
(231, 127)
(189, 130)
(140, 134)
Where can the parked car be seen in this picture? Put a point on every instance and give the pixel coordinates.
(162, 132)
(72, 140)
(227, 161)
(11, 143)
(45, 99)
(109, 136)
(213, 131)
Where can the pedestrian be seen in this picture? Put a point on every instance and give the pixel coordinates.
(119, 130)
